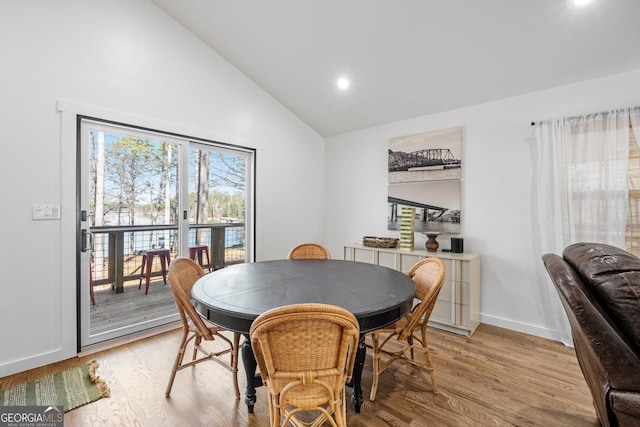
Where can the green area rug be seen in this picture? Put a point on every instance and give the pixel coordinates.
(72, 388)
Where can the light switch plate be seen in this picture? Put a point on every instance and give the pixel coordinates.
(45, 211)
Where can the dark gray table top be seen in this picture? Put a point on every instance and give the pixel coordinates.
(233, 297)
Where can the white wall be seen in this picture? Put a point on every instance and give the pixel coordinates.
(129, 57)
(496, 190)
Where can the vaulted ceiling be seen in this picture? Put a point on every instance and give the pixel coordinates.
(409, 58)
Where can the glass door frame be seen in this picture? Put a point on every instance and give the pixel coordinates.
(84, 123)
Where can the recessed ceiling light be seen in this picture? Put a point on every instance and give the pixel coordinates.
(343, 83)
(579, 4)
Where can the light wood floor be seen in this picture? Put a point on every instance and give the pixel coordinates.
(496, 377)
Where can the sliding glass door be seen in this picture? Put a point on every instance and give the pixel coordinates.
(144, 198)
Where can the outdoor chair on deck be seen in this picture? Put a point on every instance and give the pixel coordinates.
(309, 251)
(306, 354)
(183, 273)
(197, 253)
(398, 339)
(146, 267)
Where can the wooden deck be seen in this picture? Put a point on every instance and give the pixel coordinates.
(133, 306)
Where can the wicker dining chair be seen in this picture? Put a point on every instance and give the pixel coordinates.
(306, 354)
(398, 339)
(183, 273)
(309, 251)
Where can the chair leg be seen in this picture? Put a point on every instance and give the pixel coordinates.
(196, 344)
(340, 417)
(427, 357)
(208, 259)
(144, 261)
(148, 273)
(376, 365)
(164, 261)
(274, 412)
(178, 362)
(344, 406)
(234, 363)
(410, 341)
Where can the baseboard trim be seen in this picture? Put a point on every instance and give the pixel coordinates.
(525, 328)
(129, 339)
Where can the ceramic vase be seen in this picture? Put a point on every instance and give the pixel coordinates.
(432, 244)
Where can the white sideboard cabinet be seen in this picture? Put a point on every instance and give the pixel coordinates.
(458, 306)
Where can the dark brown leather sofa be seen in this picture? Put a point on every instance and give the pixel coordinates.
(599, 286)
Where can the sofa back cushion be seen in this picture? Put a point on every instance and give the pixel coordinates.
(612, 275)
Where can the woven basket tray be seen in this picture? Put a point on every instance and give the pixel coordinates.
(380, 242)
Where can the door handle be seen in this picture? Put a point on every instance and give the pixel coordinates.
(87, 241)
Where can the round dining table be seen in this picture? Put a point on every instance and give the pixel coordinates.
(233, 297)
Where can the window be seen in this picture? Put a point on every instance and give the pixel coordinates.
(632, 235)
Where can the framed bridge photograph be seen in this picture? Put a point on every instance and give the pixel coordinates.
(424, 172)
(427, 156)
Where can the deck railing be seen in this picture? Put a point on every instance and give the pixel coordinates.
(117, 250)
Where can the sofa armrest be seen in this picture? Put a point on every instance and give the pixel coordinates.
(608, 347)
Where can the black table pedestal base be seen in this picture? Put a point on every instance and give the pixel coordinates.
(253, 380)
(356, 379)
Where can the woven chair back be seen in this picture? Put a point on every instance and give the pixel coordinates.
(183, 273)
(309, 251)
(305, 342)
(428, 275)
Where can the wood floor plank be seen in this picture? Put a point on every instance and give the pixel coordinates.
(496, 377)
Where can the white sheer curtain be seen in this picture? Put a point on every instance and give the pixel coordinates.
(580, 191)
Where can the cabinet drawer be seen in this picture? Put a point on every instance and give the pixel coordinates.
(456, 270)
(452, 314)
(457, 292)
(444, 312)
(448, 291)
